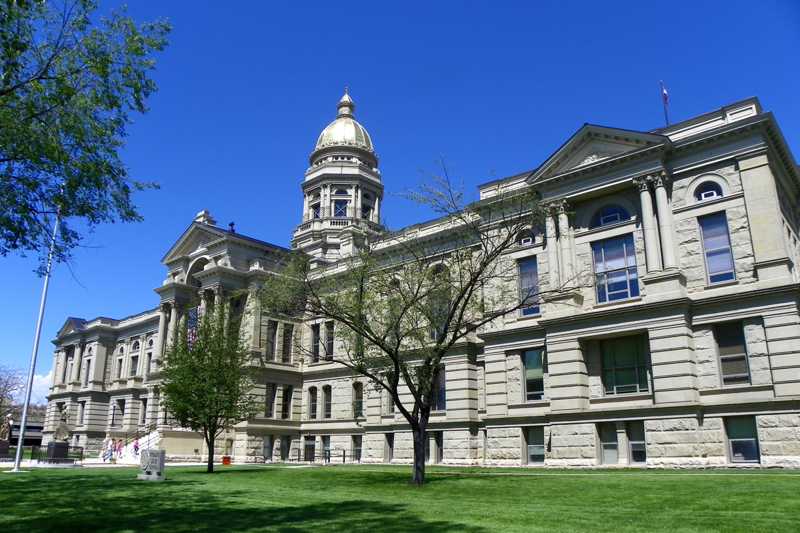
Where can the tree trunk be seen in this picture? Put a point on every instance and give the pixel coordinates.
(420, 434)
(210, 464)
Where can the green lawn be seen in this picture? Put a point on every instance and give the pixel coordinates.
(378, 499)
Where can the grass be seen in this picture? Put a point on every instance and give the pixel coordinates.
(379, 499)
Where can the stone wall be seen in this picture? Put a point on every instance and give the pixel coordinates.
(503, 446)
(779, 439)
(685, 442)
(572, 445)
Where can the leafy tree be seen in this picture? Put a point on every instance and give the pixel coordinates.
(405, 302)
(68, 85)
(207, 380)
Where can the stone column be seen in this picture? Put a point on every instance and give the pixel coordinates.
(162, 327)
(665, 225)
(552, 248)
(357, 202)
(77, 359)
(567, 267)
(649, 225)
(306, 214)
(173, 324)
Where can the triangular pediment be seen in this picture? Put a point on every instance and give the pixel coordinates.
(193, 240)
(71, 325)
(591, 145)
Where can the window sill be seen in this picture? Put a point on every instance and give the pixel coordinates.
(725, 389)
(722, 284)
(533, 403)
(622, 397)
(618, 302)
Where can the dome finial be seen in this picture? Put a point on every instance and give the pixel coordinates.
(346, 105)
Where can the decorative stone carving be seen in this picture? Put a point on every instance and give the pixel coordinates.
(61, 433)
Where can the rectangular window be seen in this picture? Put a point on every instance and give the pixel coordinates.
(81, 413)
(624, 363)
(269, 400)
(615, 269)
(356, 444)
(134, 371)
(528, 286)
(358, 400)
(119, 368)
(366, 212)
(315, 211)
(340, 208)
(272, 331)
(315, 342)
(609, 447)
(388, 451)
(312, 403)
(149, 368)
(533, 363)
(87, 373)
(742, 439)
(286, 447)
(286, 404)
(638, 450)
(288, 331)
(388, 404)
(535, 444)
(143, 412)
(329, 340)
(309, 449)
(327, 401)
(266, 447)
(326, 448)
(733, 364)
(440, 391)
(717, 247)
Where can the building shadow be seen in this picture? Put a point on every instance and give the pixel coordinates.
(100, 503)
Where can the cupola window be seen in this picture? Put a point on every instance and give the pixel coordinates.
(340, 208)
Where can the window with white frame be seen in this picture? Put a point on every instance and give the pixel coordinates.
(528, 286)
(615, 272)
(709, 190)
(742, 439)
(609, 444)
(624, 365)
(636, 442)
(610, 214)
(533, 364)
(717, 247)
(535, 444)
(733, 364)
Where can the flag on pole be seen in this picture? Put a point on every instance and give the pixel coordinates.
(665, 101)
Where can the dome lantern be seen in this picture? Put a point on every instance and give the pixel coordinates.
(345, 134)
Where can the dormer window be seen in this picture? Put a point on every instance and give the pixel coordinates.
(709, 190)
(608, 215)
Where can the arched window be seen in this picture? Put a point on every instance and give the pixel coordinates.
(89, 351)
(341, 192)
(121, 350)
(358, 399)
(708, 190)
(312, 403)
(150, 343)
(610, 214)
(135, 346)
(526, 237)
(327, 402)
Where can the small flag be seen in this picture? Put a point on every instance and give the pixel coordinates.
(665, 101)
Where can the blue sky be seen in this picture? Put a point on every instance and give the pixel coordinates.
(493, 88)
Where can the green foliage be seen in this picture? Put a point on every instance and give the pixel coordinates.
(207, 383)
(68, 84)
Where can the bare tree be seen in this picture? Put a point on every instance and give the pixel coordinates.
(11, 383)
(405, 302)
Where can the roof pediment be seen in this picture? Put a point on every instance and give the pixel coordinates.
(71, 325)
(591, 145)
(194, 239)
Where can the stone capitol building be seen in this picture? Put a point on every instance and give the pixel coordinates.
(683, 351)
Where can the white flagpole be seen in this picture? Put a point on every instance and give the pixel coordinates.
(37, 335)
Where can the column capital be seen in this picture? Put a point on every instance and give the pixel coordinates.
(555, 207)
(660, 179)
(642, 183)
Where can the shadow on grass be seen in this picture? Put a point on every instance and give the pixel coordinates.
(106, 503)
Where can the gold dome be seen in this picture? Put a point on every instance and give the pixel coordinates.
(345, 131)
